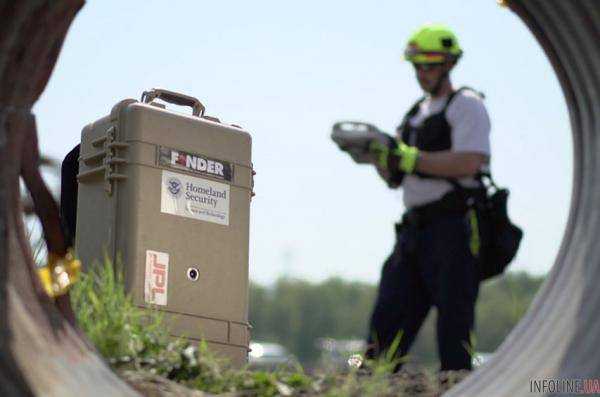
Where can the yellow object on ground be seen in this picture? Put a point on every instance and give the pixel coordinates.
(59, 274)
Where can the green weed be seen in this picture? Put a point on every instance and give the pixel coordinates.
(135, 339)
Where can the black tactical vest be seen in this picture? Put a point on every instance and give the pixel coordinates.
(434, 134)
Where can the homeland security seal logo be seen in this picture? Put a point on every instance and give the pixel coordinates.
(174, 186)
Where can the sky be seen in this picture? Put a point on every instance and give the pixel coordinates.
(286, 71)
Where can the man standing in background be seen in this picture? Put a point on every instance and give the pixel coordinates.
(442, 145)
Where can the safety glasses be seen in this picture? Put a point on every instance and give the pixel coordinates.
(426, 67)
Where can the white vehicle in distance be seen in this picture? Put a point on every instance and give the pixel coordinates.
(269, 356)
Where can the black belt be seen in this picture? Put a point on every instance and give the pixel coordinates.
(453, 203)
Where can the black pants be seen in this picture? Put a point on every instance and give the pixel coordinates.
(431, 265)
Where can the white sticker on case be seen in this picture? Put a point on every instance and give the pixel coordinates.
(157, 278)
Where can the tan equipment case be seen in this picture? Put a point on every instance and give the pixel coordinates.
(169, 195)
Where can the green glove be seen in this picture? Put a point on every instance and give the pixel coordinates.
(395, 157)
(408, 157)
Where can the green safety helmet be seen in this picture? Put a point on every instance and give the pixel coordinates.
(432, 43)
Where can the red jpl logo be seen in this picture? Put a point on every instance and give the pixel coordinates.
(159, 279)
(159, 273)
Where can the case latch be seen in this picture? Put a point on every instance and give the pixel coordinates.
(109, 158)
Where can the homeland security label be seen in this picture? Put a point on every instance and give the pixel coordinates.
(195, 163)
(195, 198)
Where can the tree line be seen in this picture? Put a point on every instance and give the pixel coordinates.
(295, 313)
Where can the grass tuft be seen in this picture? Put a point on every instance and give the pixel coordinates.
(136, 341)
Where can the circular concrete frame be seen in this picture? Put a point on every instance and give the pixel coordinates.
(559, 336)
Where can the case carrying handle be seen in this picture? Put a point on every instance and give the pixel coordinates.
(175, 98)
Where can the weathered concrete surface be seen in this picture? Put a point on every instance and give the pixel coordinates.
(560, 335)
(41, 353)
